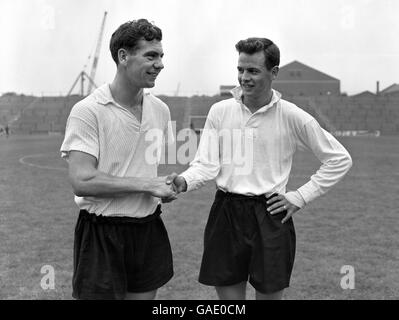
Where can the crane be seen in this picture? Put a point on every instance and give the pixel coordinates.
(96, 55)
(177, 90)
(83, 75)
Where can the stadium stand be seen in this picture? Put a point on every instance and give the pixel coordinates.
(179, 110)
(45, 114)
(29, 115)
(11, 106)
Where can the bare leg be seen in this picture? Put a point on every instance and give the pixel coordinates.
(234, 292)
(269, 296)
(150, 295)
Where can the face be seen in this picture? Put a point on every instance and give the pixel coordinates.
(253, 76)
(144, 64)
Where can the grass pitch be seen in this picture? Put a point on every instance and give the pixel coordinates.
(354, 224)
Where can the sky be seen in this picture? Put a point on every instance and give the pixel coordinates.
(45, 44)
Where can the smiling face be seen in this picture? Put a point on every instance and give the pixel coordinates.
(142, 65)
(253, 76)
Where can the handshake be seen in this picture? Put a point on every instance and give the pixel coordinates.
(168, 187)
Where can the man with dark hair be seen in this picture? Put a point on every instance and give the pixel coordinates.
(254, 45)
(250, 233)
(128, 35)
(121, 246)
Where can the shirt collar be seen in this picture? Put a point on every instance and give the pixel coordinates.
(103, 94)
(237, 94)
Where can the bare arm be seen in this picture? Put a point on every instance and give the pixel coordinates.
(87, 181)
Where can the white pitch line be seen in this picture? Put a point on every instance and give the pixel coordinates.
(25, 162)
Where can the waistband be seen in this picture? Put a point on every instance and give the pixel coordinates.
(92, 217)
(237, 196)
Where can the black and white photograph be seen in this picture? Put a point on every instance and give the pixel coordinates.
(199, 150)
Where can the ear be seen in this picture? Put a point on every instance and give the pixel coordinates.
(275, 71)
(122, 56)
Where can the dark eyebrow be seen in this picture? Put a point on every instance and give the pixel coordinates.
(249, 69)
(154, 53)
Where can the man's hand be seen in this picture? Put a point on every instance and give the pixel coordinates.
(179, 183)
(169, 180)
(279, 204)
(160, 189)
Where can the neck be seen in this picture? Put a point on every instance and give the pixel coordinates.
(124, 93)
(255, 103)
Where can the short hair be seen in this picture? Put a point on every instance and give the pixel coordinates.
(130, 33)
(253, 45)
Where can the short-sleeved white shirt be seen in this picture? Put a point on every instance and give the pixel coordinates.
(122, 145)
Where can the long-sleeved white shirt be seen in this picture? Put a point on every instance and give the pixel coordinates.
(251, 153)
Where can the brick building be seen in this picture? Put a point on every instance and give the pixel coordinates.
(225, 90)
(298, 79)
(392, 90)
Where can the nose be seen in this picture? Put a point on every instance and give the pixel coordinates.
(159, 64)
(245, 76)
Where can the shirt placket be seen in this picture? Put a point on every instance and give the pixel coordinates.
(246, 135)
